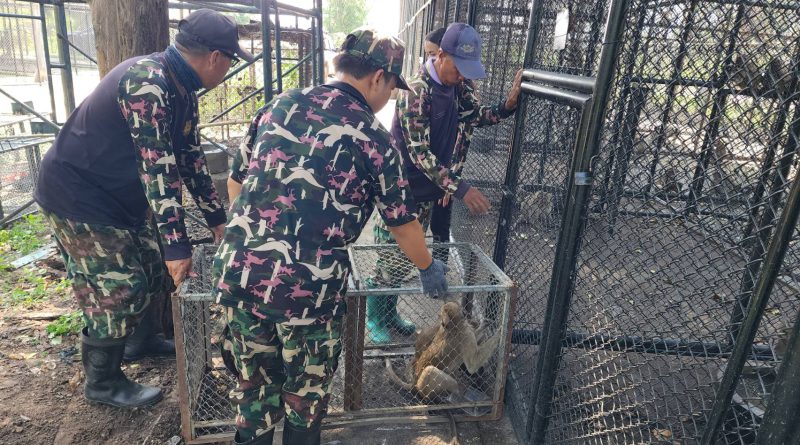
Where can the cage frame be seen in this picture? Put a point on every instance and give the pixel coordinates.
(353, 353)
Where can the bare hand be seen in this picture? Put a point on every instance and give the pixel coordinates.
(445, 200)
(513, 93)
(476, 202)
(180, 269)
(219, 232)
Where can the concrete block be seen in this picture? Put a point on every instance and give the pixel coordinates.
(216, 159)
(221, 184)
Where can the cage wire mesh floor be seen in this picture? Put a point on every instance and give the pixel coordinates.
(363, 393)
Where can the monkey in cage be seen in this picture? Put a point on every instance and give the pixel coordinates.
(441, 350)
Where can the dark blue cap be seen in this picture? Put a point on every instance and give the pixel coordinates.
(463, 43)
(214, 31)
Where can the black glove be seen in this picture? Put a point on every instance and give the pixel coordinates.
(434, 283)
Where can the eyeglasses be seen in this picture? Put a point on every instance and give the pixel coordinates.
(234, 59)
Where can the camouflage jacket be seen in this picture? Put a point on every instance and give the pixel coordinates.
(242, 158)
(413, 114)
(162, 116)
(320, 164)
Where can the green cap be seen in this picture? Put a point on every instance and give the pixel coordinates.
(378, 50)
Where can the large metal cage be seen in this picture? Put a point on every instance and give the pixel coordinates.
(362, 391)
(644, 201)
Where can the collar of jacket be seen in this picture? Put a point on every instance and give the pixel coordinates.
(183, 71)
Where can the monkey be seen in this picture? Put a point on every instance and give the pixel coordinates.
(440, 350)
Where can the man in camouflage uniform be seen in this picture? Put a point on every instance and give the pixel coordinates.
(111, 189)
(432, 128)
(320, 164)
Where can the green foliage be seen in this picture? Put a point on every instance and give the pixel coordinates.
(24, 236)
(65, 325)
(29, 287)
(342, 16)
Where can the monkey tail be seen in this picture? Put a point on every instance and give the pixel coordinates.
(394, 378)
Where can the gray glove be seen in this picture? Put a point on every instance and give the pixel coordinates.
(434, 283)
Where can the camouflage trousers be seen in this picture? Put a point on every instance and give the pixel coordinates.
(115, 273)
(284, 369)
(393, 268)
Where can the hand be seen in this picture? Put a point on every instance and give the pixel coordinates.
(434, 280)
(219, 232)
(179, 270)
(476, 202)
(445, 200)
(513, 93)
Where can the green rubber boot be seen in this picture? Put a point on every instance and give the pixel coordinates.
(377, 328)
(394, 320)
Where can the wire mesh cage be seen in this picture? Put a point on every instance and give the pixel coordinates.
(19, 168)
(695, 158)
(364, 388)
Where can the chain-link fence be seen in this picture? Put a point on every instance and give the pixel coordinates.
(19, 168)
(405, 377)
(662, 260)
(21, 46)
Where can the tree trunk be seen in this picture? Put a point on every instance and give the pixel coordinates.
(125, 28)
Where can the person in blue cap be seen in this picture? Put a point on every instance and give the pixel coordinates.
(432, 128)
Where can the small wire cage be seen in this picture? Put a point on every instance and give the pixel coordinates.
(362, 390)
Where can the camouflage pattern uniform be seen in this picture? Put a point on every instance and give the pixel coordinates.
(320, 164)
(115, 273)
(413, 110)
(118, 271)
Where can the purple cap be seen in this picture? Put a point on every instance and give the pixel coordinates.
(214, 31)
(463, 43)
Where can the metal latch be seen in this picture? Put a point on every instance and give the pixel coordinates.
(583, 178)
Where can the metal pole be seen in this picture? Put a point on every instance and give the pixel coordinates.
(676, 73)
(278, 66)
(472, 7)
(83, 53)
(587, 145)
(314, 59)
(63, 54)
(512, 167)
(622, 111)
(320, 44)
(780, 424)
(266, 45)
(46, 47)
(31, 110)
(748, 240)
(717, 115)
(773, 260)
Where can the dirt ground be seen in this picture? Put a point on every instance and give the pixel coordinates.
(41, 384)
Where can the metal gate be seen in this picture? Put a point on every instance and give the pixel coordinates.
(644, 199)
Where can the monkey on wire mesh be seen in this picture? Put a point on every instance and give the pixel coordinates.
(441, 350)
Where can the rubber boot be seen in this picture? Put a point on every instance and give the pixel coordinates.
(377, 329)
(147, 340)
(394, 320)
(264, 439)
(297, 436)
(105, 381)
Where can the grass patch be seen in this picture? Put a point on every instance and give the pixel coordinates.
(22, 237)
(29, 287)
(65, 325)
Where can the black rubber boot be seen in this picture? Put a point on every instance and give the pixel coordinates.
(147, 340)
(264, 439)
(105, 381)
(300, 436)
